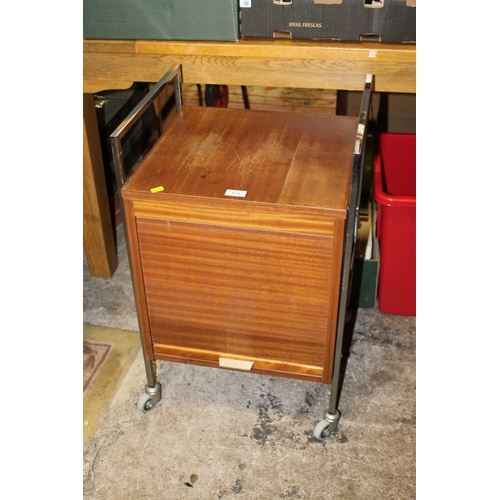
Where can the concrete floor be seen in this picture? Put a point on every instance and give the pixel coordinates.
(220, 434)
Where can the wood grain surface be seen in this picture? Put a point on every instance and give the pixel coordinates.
(99, 243)
(280, 63)
(277, 158)
(254, 293)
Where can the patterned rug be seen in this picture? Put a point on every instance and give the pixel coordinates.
(107, 355)
(94, 356)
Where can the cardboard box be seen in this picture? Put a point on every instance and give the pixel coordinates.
(343, 20)
(161, 19)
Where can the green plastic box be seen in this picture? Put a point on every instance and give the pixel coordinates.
(216, 20)
(366, 260)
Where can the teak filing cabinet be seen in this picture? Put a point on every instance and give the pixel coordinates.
(236, 224)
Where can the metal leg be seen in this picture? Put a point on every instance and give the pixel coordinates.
(331, 418)
(152, 393)
(244, 92)
(153, 388)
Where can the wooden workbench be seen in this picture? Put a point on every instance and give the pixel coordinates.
(117, 64)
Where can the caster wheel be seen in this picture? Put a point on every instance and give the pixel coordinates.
(144, 404)
(322, 430)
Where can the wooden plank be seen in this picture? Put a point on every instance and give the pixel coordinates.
(98, 238)
(261, 63)
(95, 86)
(119, 46)
(271, 49)
(233, 213)
(298, 73)
(283, 49)
(263, 366)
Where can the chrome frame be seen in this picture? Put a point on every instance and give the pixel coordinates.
(153, 387)
(174, 73)
(333, 413)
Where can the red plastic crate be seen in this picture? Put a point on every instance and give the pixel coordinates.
(394, 185)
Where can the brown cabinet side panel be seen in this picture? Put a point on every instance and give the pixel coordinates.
(137, 278)
(255, 293)
(337, 254)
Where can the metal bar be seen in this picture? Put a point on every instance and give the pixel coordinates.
(178, 89)
(137, 112)
(116, 146)
(349, 244)
(244, 92)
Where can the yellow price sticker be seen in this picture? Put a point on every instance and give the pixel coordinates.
(157, 189)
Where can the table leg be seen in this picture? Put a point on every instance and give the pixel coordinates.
(98, 235)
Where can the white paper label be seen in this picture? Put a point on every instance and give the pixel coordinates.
(245, 3)
(238, 364)
(235, 192)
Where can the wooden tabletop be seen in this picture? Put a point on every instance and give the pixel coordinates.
(280, 63)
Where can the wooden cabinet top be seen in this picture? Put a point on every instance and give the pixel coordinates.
(285, 159)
